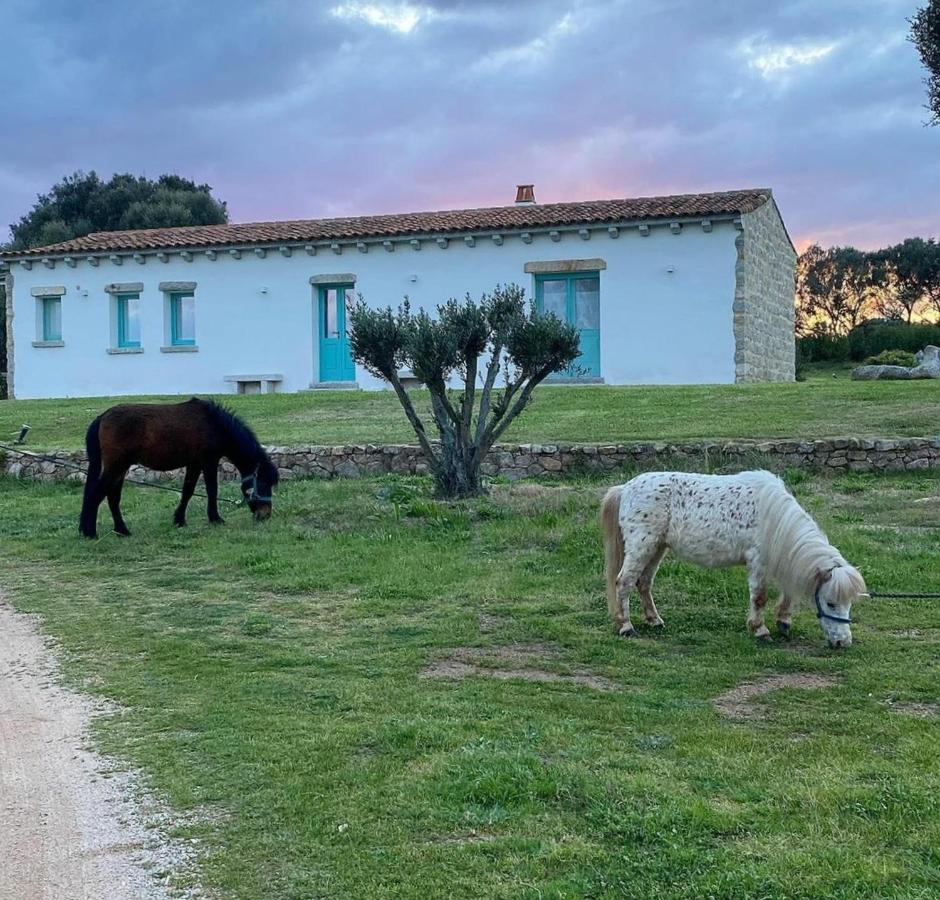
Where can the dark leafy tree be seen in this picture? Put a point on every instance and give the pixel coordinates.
(83, 203)
(835, 289)
(925, 34)
(500, 349)
(907, 278)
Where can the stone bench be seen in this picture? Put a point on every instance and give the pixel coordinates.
(255, 384)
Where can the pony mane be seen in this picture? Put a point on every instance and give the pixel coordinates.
(794, 548)
(244, 438)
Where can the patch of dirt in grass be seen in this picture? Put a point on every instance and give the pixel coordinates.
(740, 701)
(918, 710)
(462, 840)
(529, 498)
(916, 634)
(509, 662)
(490, 623)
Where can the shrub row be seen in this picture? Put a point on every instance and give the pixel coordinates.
(868, 339)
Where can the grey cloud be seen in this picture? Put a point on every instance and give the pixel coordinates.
(289, 111)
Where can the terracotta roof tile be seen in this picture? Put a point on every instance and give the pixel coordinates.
(510, 218)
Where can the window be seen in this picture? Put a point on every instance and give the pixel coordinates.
(338, 301)
(128, 320)
(182, 320)
(51, 329)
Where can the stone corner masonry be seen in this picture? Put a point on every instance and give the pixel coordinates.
(763, 311)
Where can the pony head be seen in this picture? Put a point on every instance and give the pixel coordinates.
(258, 488)
(835, 591)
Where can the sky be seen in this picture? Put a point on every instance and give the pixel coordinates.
(317, 109)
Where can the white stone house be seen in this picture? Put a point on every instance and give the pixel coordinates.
(683, 289)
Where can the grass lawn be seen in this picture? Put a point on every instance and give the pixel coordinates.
(271, 680)
(827, 405)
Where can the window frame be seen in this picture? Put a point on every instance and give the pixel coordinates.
(175, 299)
(121, 301)
(46, 301)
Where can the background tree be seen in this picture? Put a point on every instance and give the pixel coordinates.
(906, 276)
(925, 34)
(834, 288)
(81, 204)
(523, 348)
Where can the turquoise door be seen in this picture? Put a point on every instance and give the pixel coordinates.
(334, 302)
(575, 298)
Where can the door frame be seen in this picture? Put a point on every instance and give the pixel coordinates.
(568, 377)
(321, 286)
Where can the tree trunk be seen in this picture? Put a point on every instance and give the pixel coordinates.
(456, 476)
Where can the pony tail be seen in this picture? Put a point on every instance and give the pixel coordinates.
(613, 545)
(86, 524)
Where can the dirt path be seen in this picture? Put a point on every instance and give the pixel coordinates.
(66, 832)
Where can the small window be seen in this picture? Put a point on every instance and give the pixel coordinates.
(51, 318)
(182, 320)
(128, 320)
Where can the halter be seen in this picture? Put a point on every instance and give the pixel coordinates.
(824, 615)
(254, 495)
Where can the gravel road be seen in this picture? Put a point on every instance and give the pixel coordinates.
(69, 828)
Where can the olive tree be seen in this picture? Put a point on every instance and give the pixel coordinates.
(496, 351)
(925, 34)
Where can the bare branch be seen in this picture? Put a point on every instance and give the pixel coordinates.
(492, 372)
(414, 419)
(517, 408)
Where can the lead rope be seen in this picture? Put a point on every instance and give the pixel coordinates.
(137, 481)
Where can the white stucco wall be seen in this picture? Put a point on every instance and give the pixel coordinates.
(656, 326)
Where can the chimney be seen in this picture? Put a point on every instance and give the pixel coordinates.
(525, 195)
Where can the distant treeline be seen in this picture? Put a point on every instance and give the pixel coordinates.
(840, 288)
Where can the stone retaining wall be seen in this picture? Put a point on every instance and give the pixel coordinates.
(521, 460)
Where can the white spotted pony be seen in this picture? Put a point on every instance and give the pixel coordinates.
(725, 520)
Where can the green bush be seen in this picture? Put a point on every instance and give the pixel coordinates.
(878, 335)
(821, 348)
(892, 358)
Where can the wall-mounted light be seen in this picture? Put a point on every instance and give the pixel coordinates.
(264, 289)
(413, 279)
(670, 270)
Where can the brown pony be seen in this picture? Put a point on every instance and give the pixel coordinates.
(194, 435)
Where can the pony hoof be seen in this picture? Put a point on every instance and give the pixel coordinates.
(762, 634)
(219, 521)
(658, 623)
(783, 629)
(627, 631)
(124, 533)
